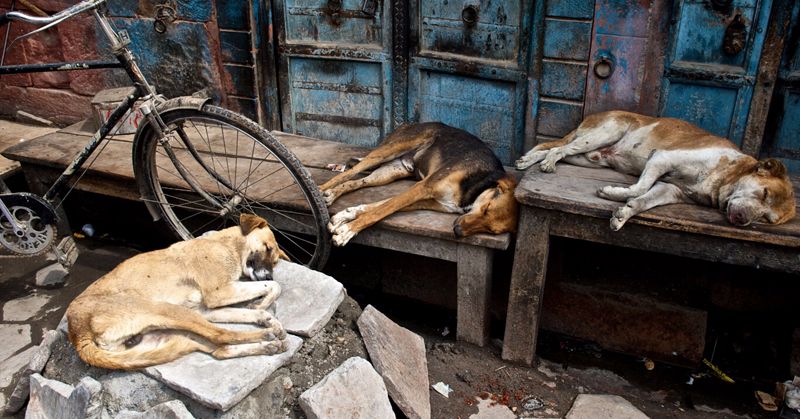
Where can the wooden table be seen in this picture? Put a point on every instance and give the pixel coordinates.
(565, 204)
(425, 233)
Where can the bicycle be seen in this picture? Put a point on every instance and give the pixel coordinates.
(197, 165)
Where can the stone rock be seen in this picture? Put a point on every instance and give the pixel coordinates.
(169, 410)
(353, 390)
(487, 409)
(51, 275)
(63, 325)
(220, 384)
(399, 357)
(13, 365)
(28, 118)
(51, 399)
(599, 406)
(15, 337)
(36, 365)
(308, 298)
(24, 308)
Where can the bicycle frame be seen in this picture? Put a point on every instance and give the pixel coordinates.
(125, 60)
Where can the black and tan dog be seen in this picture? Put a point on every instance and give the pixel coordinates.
(457, 173)
(158, 306)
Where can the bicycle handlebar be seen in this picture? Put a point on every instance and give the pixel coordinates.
(62, 15)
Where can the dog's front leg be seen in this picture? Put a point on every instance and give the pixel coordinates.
(237, 292)
(389, 172)
(660, 194)
(246, 315)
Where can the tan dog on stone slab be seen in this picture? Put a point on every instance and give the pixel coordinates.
(677, 162)
(158, 306)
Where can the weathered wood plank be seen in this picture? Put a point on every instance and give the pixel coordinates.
(573, 189)
(527, 286)
(474, 290)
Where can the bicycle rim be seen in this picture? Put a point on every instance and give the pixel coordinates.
(222, 165)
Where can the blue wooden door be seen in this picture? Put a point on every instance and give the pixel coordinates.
(704, 83)
(334, 69)
(782, 137)
(467, 68)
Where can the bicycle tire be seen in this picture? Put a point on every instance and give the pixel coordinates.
(227, 164)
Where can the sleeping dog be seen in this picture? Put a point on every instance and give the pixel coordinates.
(158, 306)
(676, 162)
(457, 173)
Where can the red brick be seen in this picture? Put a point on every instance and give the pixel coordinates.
(60, 106)
(78, 39)
(628, 323)
(10, 99)
(16, 56)
(45, 47)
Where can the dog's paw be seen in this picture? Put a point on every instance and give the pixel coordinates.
(621, 215)
(329, 197)
(342, 235)
(548, 166)
(609, 192)
(343, 217)
(530, 159)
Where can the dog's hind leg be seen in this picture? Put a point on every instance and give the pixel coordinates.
(585, 140)
(247, 349)
(660, 194)
(539, 152)
(396, 169)
(246, 315)
(237, 292)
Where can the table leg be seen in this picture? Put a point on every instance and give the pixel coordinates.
(474, 289)
(527, 286)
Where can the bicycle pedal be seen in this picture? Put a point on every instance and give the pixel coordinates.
(67, 252)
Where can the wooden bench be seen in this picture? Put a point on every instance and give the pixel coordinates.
(424, 233)
(565, 204)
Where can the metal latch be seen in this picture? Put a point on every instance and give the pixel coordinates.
(369, 7)
(735, 36)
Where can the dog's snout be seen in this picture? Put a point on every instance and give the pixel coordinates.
(737, 217)
(458, 231)
(258, 269)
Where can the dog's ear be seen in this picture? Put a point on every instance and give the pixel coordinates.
(770, 167)
(506, 183)
(249, 222)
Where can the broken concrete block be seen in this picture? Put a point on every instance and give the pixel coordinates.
(15, 337)
(220, 384)
(603, 406)
(51, 399)
(308, 298)
(13, 365)
(169, 410)
(399, 357)
(51, 275)
(36, 365)
(353, 390)
(24, 308)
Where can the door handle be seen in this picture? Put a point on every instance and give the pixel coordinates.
(604, 67)
(335, 6)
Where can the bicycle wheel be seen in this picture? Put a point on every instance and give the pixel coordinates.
(217, 164)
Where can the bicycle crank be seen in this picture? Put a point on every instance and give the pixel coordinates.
(27, 223)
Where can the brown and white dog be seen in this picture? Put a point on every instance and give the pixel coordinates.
(677, 162)
(157, 306)
(457, 173)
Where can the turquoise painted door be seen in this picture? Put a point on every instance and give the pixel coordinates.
(782, 137)
(467, 67)
(705, 82)
(334, 69)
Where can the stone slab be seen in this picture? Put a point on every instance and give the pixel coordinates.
(173, 409)
(398, 355)
(24, 308)
(13, 365)
(39, 359)
(51, 275)
(51, 399)
(308, 298)
(603, 406)
(220, 384)
(353, 390)
(15, 337)
(487, 409)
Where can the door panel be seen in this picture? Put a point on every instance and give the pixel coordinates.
(468, 68)
(486, 108)
(723, 82)
(335, 70)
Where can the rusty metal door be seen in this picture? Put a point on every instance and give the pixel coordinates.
(334, 69)
(467, 67)
(712, 62)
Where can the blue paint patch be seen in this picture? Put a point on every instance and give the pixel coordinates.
(563, 80)
(236, 47)
(123, 8)
(566, 39)
(577, 9)
(233, 14)
(241, 81)
(195, 10)
(709, 107)
(557, 119)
